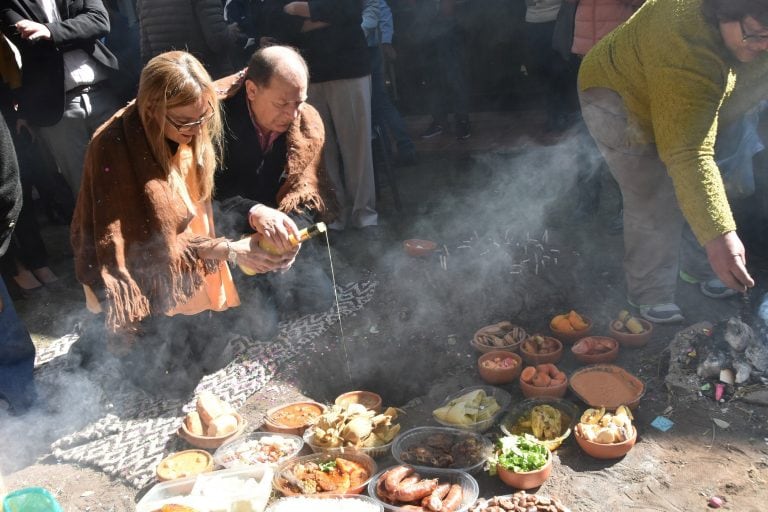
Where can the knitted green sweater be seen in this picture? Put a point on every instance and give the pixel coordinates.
(677, 79)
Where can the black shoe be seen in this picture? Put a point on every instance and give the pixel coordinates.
(434, 130)
(463, 130)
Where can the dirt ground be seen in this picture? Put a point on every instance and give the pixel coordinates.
(487, 206)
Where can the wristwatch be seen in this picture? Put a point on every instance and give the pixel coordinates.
(231, 254)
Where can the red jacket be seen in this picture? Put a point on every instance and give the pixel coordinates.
(596, 18)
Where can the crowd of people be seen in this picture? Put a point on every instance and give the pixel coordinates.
(228, 124)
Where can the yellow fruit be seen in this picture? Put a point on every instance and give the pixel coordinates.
(576, 321)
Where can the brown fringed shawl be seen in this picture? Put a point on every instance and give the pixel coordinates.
(127, 232)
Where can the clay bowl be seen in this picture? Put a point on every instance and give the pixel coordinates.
(527, 479)
(184, 464)
(293, 418)
(549, 357)
(571, 336)
(210, 442)
(480, 346)
(606, 451)
(531, 391)
(627, 339)
(369, 399)
(419, 248)
(285, 479)
(495, 375)
(603, 357)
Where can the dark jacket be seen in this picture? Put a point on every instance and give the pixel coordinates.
(84, 22)
(196, 26)
(289, 177)
(10, 187)
(336, 52)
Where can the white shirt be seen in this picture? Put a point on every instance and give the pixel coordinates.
(79, 67)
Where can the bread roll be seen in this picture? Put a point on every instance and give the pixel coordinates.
(222, 425)
(193, 423)
(209, 407)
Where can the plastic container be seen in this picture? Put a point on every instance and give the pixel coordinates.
(327, 503)
(468, 484)
(225, 488)
(502, 398)
(284, 473)
(373, 451)
(245, 451)
(455, 439)
(30, 499)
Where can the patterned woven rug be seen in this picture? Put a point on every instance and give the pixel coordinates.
(134, 431)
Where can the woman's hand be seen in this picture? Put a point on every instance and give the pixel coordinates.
(259, 261)
(728, 259)
(274, 226)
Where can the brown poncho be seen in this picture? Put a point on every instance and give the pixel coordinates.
(127, 232)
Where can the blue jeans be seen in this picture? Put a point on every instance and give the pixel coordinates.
(17, 357)
(383, 111)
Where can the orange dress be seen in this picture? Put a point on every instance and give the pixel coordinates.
(218, 291)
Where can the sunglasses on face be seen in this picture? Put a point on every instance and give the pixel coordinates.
(189, 127)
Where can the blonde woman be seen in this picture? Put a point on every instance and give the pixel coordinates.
(143, 236)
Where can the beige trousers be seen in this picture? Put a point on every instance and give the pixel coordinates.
(345, 107)
(653, 222)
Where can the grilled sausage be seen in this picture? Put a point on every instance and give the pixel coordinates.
(452, 502)
(434, 501)
(415, 491)
(394, 476)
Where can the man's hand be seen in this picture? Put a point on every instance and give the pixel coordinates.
(32, 30)
(728, 259)
(297, 9)
(274, 226)
(389, 52)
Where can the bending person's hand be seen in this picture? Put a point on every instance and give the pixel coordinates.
(728, 259)
(274, 226)
(253, 258)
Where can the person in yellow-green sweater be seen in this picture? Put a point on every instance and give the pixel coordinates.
(653, 94)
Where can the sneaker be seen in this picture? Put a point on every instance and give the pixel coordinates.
(434, 130)
(463, 130)
(716, 289)
(662, 313)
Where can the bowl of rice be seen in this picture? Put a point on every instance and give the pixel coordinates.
(330, 503)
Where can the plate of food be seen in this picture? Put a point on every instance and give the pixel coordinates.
(258, 448)
(550, 420)
(442, 448)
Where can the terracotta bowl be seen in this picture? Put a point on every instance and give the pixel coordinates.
(531, 391)
(550, 357)
(419, 248)
(284, 476)
(485, 348)
(571, 336)
(369, 399)
(630, 340)
(528, 479)
(606, 451)
(499, 375)
(276, 421)
(184, 464)
(603, 357)
(208, 442)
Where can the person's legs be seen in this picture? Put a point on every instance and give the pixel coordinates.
(350, 105)
(653, 222)
(383, 111)
(17, 357)
(318, 96)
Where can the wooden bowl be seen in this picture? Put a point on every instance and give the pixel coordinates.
(526, 479)
(531, 391)
(211, 442)
(493, 375)
(627, 339)
(606, 451)
(293, 418)
(549, 357)
(184, 464)
(368, 399)
(419, 248)
(602, 357)
(575, 335)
